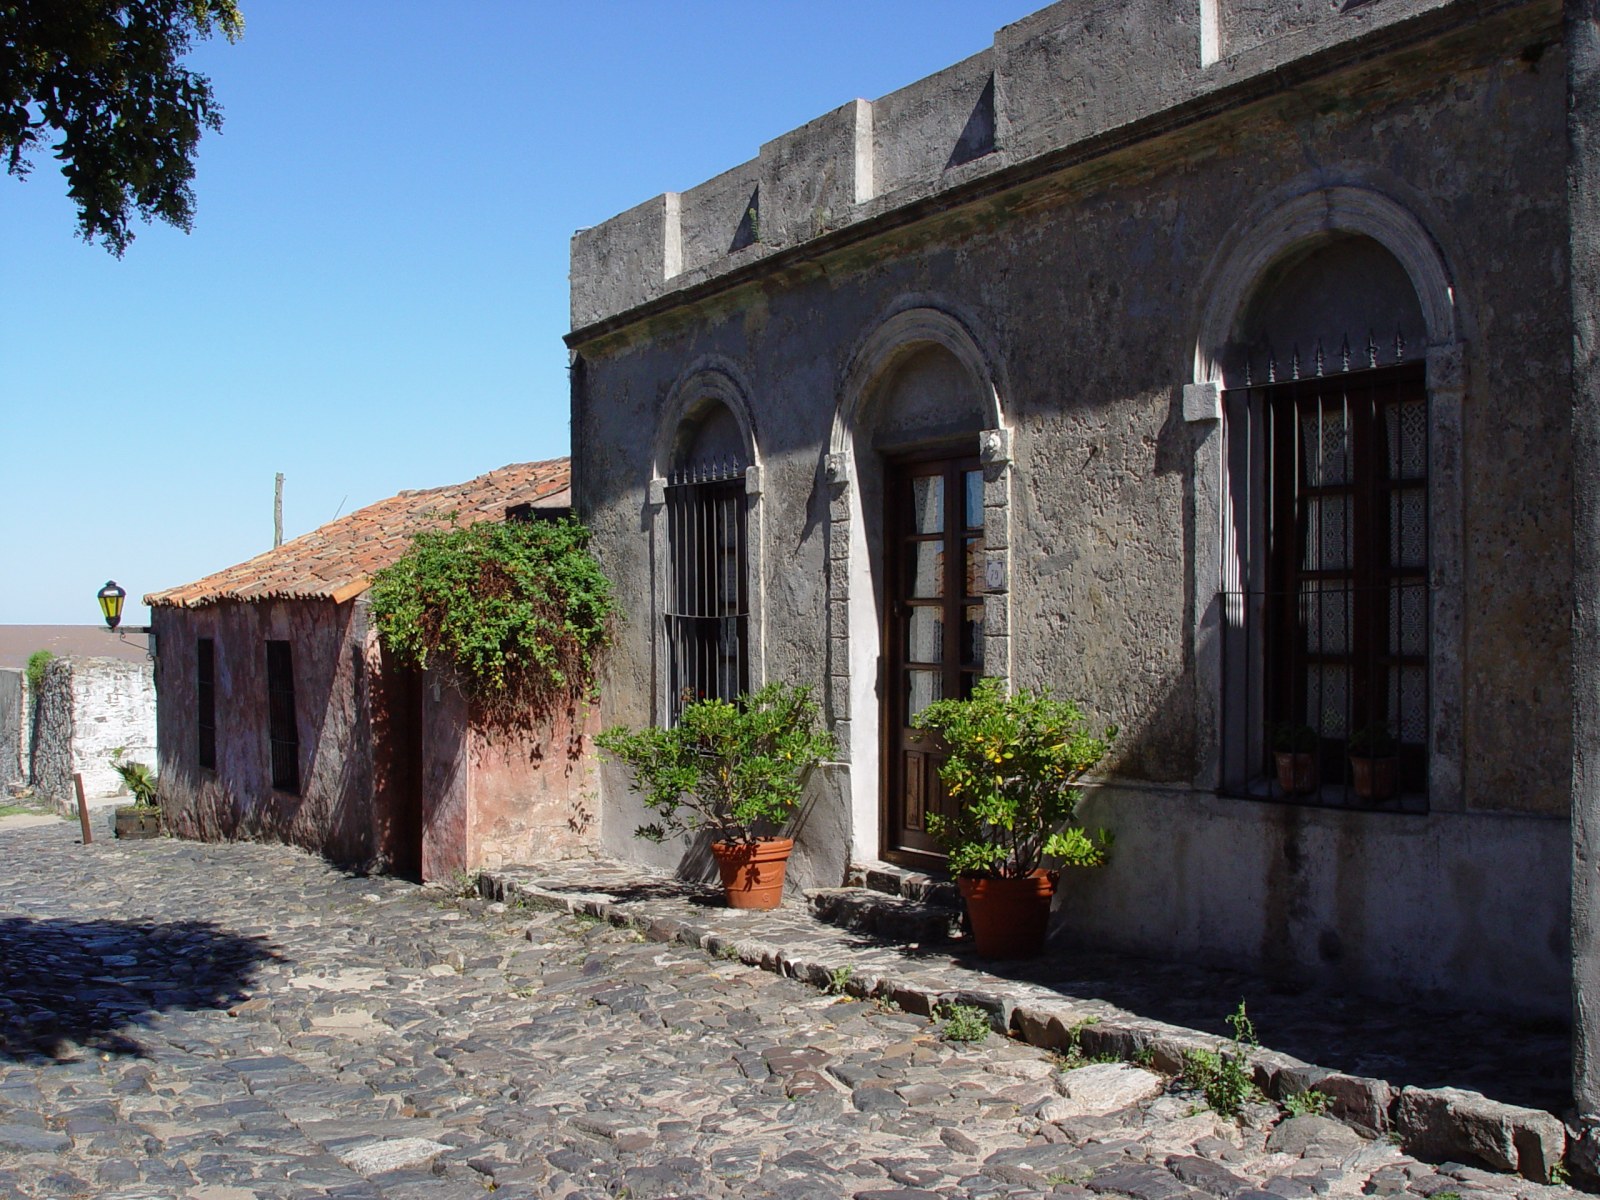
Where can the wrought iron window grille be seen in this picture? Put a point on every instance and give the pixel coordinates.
(1325, 606)
(707, 614)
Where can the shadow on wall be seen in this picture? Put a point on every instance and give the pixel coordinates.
(66, 985)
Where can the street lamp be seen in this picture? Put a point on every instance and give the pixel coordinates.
(111, 597)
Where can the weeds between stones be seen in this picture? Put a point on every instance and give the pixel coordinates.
(1223, 1076)
(1309, 1103)
(964, 1023)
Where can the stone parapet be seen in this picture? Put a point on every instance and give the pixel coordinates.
(1064, 77)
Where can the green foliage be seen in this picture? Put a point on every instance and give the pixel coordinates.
(1224, 1076)
(141, 782)
(106, 76)
(1011, 762)
(37, 662)
(1560, 1174)
(735, 768)
(1309, 1103)
(964, 1023)
(1289, 738)
(1373, 741)
(839, 979)
(517, 610)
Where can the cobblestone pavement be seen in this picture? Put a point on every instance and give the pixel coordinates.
(227, 1022)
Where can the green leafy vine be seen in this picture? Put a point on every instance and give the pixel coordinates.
(517, 612)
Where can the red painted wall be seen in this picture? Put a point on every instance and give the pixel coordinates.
(394, 772)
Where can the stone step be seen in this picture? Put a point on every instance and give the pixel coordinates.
(865, 910)
(911, 885)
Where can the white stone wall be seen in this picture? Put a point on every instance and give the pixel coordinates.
(90, 708)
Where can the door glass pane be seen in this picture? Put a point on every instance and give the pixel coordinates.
(972, 637)
(974, 499)
(924, 636)
(1327, 700)
(1325, 617)
(1408, 619)
(1408, 704)
(1324, 447)
(1327, 533)
(922, 689)
(927, 504)
(1408, 532)
(1408, 439)
(974, 574)
(924, 570)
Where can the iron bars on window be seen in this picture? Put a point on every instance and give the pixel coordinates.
(707, 609)
(1325, 608)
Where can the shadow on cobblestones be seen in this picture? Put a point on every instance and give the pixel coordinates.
(70, 984)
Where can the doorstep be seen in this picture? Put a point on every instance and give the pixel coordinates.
(1450, 1086)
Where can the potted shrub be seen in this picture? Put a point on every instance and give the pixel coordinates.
(1011, 764)
(736, 769)
(1295, 751)
(142, 818)
(1372, 751)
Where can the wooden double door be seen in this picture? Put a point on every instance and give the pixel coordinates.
(934, 557)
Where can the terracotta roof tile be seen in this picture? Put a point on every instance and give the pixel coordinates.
(336, 561)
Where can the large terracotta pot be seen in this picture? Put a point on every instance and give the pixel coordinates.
(1297, 772)
(752, 875)
(1009, 916)
(1373, 778)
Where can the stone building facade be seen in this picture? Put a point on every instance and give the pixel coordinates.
(1210, 363)
(282, 717)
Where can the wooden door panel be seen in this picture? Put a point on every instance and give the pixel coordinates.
(932, 644)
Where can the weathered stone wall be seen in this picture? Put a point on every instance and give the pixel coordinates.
(493, 797)
(392, 773)
(1081, 273)
(89, 710)
(16, 723)
(332, 815)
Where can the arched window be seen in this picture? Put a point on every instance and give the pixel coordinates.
(707, 611)
(1325, 608)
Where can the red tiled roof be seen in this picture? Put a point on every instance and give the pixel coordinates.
(337, 561)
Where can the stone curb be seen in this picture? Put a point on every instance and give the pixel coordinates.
(1433, 1124)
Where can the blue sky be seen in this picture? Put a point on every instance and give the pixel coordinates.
(375, 290)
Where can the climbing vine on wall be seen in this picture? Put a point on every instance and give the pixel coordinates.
(516, 612)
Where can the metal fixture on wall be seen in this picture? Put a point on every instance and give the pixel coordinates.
(111, 597)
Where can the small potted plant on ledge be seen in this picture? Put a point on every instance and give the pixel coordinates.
(736, 769)
(1372, 751)
(1011, 766)
(1295, 751)
(142, 818)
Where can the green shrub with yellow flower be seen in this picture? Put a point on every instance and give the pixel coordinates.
(1013, 760)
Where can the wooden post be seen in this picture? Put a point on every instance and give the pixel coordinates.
(277, 511)
(83, 809)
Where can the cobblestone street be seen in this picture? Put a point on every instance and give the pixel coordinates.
(227, 1022)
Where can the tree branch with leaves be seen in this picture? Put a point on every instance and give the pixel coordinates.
(106, 77)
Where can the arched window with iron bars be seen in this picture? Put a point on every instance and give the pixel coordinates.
(708, 608)
(1325, 618)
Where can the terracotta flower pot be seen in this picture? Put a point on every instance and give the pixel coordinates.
(133, 822)
(1009, 916)
(752, 875)
(1297, 772)
(1373, 778)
